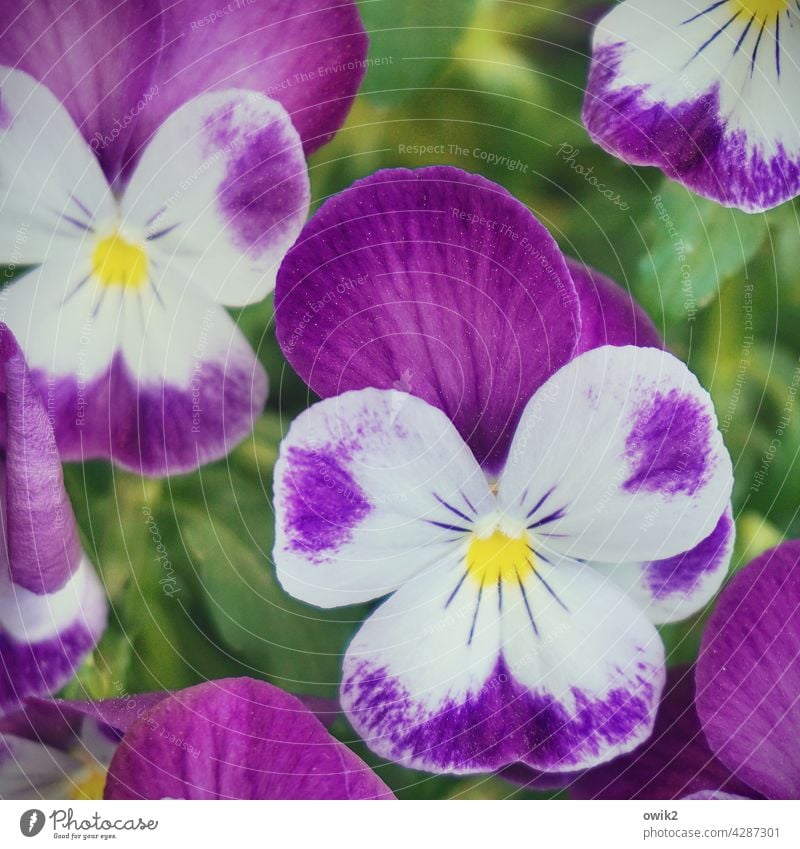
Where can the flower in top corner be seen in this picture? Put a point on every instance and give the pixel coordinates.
(553, 485)
(52, 606)
(702, 90)
(153, 172)
(262, 743)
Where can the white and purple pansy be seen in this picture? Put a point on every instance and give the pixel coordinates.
(706, 90)
(52, 606)
(263, 743)
(153, 172)
(533, 490)
(729, 728)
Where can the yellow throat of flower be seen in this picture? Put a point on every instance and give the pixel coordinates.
(118, 262)
(762, 8)
(91, 784)
(499, 558)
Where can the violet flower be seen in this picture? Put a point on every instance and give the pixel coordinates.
(531, 497)
(702, 90)
(52, 607)
(153, 173)
(228, 739)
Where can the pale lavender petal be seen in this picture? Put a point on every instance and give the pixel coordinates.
(236, 739)
(748, 674)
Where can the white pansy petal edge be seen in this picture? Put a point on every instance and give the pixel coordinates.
(521, 624)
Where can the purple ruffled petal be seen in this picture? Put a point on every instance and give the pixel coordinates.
(122, 68)
(748, 674)
(41, 538)
(236, 739)
(675, 762)
(307, 54)
(609, 314)
(434, 282)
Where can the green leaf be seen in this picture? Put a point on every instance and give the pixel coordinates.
(410, 43)
(695, 246)
(296, 646)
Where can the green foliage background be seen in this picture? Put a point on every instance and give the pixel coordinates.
(505, 78)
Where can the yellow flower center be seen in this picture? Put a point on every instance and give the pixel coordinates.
(762, 8)
(499, 558)
(91, 784)
(118, 262)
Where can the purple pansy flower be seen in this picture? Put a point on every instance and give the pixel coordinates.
(704, 91)
(52, 607)
(734, 731)
(532, 489)
(262, 743)
(153, 173)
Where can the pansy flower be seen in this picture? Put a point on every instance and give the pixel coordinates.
(52, 607)
(153, 172)
(530, 502)
(264, 744)
(703, 90)
(729, 728)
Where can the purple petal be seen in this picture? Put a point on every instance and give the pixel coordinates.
(676, 587)
(558, 670)
(434, 282)
(675, 762)
(39, 528)
(99, 58)
(609, 314)
(236, 739)
(122, 68)
(163, 427)
(715, 796)
(748, 674)
(691, 141)
(33, 669)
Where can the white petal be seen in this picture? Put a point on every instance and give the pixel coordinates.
(371, 487)
(51, 185)
(618, 457)
(222, 192)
